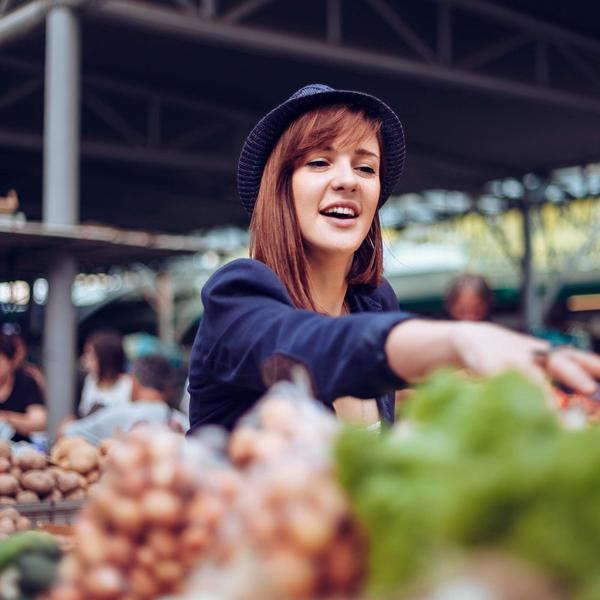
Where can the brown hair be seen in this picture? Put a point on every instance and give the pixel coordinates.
(472, 281)
(275, 236)
(108, 347)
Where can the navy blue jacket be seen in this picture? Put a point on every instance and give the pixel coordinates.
(251, 333)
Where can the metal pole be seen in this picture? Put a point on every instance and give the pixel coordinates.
(530, 310)
(59, 343)
(61, 204)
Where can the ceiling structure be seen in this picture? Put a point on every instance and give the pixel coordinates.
(170, 89)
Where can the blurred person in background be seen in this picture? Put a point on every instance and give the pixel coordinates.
(469, 298)
(21, 361)
(151, 378)
(22, 410)
(106, 383)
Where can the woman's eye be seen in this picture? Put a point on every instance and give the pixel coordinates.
(319, 162)
(367, 169)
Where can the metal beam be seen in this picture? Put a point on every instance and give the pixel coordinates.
(142, 92)
(591, 74)
(496, 12)
(402, 29)
(20, 92)
(235, 15)
(494, 51)
(334, 21)
(22, 20)
(91, 149)
(151, 17)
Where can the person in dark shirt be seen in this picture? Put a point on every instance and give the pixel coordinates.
(22, 409)
(312, 175)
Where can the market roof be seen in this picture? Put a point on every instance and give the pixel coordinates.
(486, 89)
(28, 249)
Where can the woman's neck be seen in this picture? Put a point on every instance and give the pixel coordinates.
(328, 283)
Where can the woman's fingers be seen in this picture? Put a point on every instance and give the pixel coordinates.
(590, 362)
(568, 367)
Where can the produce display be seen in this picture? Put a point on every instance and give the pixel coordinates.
(478, 484)
(31, 476)
(477, 465)
(149, 519)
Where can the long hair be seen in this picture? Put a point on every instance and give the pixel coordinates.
(275, 236)
(108, 347)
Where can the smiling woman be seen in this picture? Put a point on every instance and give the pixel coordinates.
(312, 175)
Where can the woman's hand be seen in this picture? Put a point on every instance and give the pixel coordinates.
(418, 347)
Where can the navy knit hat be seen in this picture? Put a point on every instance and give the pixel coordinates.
(264, 136)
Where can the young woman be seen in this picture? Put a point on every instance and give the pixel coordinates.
(22, 410)
(313, 174)
(105, 384)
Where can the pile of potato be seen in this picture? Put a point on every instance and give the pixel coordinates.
(30, 476)
(147, 522)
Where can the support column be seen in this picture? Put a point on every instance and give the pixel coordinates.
(61, 204)
(531, 309)
(59, 345)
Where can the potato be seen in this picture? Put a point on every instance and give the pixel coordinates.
(16, 472)
(67, 481)
(9, 513)
(160, 507)
(291, 575)
(54, 471)
(91, 542)
(77, 494)
(83, 458)
(123, 513)
(31, 459)
(93, 476)
(7, 525)
(5, 465)
(27, 496)
(9, 485)
(40, 482)
(5, 450)
(120, 550)
(242, 445)
(163, 542)
(168, 572)
(142, 584)
(7, 500)
(63, 446)
(55, 495)
(23, 524)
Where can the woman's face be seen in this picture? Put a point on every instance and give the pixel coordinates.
(468, 306)
(89, 360)
(336, 192)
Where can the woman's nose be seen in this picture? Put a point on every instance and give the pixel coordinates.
(344, 177)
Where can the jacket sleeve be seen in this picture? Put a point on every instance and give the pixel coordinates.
(249, 319)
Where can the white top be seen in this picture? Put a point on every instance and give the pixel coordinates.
(113, 421)
(93, 396)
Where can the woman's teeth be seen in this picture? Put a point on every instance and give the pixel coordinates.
(340, 211)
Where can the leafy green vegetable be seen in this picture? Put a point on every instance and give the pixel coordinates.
(485, 464)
